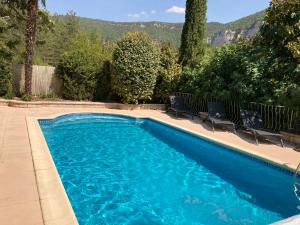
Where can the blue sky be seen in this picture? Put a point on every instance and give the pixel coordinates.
(158, 10)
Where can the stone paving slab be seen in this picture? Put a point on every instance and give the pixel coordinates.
(21, 214)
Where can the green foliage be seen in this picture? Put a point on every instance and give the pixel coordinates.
(245, 22)
(54, 35)
(52, 43)
(232, 72)
(80, 66)
(193, 33)
(5, 71)
(51, 95)
(26, 98)
(168, 75)
(266, 69)
(103, 88)
(7, 46)
(238, 71)
(165, 32)
(113, 31)
(279, 41)
(190, 75)
(135, 67)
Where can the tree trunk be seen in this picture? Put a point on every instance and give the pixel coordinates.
(30, 36)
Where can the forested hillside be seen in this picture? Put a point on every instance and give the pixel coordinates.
(112, 31)
(51, 43)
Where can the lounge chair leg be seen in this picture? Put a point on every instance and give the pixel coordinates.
(213, 126)
(255, 136)
(234, 129)
(282, 144)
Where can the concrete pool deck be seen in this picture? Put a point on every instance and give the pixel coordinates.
(28, 189)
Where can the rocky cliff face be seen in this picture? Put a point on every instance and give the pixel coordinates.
(227, 35)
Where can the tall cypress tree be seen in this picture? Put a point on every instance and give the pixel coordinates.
(193, 33)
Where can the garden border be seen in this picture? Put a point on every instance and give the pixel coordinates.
(80, 104)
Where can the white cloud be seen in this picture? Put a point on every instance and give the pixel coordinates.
(134, 15)
(176, 9)
(141, 14)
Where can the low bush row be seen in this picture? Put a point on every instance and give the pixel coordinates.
(138, 70)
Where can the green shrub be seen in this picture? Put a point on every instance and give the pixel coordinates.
(190, 75)
(50, 95)
(26, 98)
(168, 75)
(230, 73)
(265, 69)
(135, 67)
(279, 43)
(5, 72)
(103, 88)
(80, 66)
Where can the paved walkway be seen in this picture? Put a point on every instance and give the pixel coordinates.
(19, 198)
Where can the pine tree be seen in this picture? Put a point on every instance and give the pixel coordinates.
(193, 33)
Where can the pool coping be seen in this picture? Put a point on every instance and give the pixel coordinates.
(55, 204)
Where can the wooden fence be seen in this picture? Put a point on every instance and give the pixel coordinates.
(44, 80)
(276, 118)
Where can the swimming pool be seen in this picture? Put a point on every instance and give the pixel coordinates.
(121, 170)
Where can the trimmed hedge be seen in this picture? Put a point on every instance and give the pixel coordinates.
(135, 67)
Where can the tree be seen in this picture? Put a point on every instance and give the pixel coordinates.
(51, 45)
(193, 33)
(233, 72)
(13, 16)
(30, 38)
(5, 61)
(279, 41)
(80, 66)
(168, 75)
(135, 67)
(11, 21)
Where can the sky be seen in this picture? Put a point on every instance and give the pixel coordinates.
(222, 11)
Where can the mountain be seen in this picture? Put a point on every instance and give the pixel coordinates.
(246, 27)
(113, 31)
(216, 33)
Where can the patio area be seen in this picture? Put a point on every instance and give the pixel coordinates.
(20, 201)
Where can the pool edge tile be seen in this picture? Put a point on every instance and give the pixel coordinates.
(54, 201)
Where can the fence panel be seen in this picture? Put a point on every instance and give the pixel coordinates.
(276, 118)
(44, 80)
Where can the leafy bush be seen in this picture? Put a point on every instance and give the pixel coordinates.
(229, 73)
(135, 67)
(80, 65)
(279, 41)
(26, 98)
(265, 69)
(190, 75)
(168, 75)
(103, 87)
(50, 95)
(5, 71)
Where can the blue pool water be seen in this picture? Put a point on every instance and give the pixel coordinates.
(119, 170)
